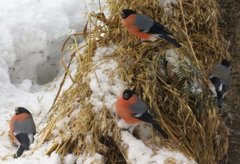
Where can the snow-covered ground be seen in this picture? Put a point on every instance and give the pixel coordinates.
(32, 33)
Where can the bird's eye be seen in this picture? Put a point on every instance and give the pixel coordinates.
(126, 96)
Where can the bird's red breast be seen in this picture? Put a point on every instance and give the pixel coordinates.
(19, 117)
(128, 23)
(123, 109)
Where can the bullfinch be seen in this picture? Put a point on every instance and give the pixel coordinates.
(146, 28)
(133, 110)
(219, 80)
(22, 130)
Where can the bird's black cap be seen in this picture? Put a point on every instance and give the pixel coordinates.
(20, 110)
(126, 12)
(225, 62)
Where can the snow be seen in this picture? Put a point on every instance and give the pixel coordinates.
(89, 159)
(32, 29)
(25, 85)
(196, 87)
(69, 159)
(167, 5)
(32, 33)
(174, 62)
(139, 153)
(172, 57)
(104, 81)
(63, 123)
(52, 159)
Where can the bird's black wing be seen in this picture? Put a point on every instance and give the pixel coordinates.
(219, 99)
(157, 28)
(147, 117)
(24, 140)
(159, 129)
(224, 88)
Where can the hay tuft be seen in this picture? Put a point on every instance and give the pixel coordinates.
(190, 118)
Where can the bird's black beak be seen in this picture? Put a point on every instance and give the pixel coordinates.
(16, 111)
(123, 15)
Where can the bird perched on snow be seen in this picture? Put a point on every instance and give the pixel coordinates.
(22, 130)
(144, 27)
(133, 110)
(219, 80)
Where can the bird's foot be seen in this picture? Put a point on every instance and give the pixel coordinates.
(15, 156)
(126, 129)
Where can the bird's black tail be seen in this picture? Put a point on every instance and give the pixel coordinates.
(24, 141)
(170, 40)
(159, 129)
(19, 151)
(219, 99)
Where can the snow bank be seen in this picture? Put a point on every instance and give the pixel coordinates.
(105, 82)
(139, 153)
(32, 33)
(52, 159)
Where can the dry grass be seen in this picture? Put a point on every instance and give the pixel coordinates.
(192, 122)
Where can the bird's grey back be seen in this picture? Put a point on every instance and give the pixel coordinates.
(25, 126)
(222, 72)
(143, 22)
(139, 108)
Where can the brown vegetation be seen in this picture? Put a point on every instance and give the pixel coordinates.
(192, 120)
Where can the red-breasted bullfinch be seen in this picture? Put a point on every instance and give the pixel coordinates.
(144, 27)
(219, 80)
(133, 110)
(22, 130)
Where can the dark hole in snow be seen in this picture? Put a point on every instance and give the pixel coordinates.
(40, 67)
